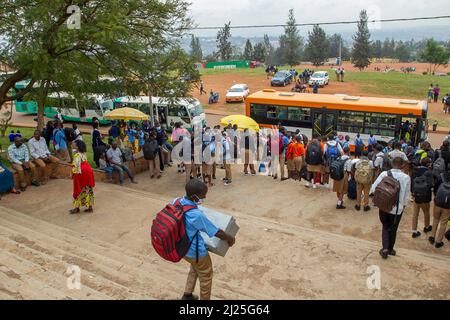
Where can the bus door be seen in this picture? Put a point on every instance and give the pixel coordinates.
(324, 122)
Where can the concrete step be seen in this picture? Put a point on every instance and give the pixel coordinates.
(134, 270)
(47, 257)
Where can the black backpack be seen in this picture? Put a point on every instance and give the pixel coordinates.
(149, 149)
(442, 199)
(314, 154)
(386, 165)
(421, 189)
(337, 169)
(70, 134)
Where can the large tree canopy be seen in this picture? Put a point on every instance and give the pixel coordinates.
(132, 41)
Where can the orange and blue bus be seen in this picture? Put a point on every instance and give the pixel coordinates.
(325, 114)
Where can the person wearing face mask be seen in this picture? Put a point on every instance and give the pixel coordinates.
(20, 159)
(41, 156)
(197, 256)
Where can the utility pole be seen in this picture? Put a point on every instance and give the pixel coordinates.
(340, 51)
(150, 104)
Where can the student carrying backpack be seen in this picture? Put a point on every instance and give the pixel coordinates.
(332, 153)
(314, 154)
(363, 172)
(168, 232)
(387, 193)
(337, 169)
(439, 165)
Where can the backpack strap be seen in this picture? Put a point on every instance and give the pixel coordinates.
(398, 197)
(184, 208)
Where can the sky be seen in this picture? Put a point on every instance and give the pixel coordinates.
(251, 12)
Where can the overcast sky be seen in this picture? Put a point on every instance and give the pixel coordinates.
(248, 12)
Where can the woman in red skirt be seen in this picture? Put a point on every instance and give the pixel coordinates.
(83, 179)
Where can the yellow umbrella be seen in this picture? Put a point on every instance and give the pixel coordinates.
(243, 122)
(126, 114)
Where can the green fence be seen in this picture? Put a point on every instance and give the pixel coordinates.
(228, 64)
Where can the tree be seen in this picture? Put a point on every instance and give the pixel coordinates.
(290, 42)
(402, 53)
(388, 48)
(133, 47)
(225, 49)
(259, 52)
(361, 45)
(377, 49)
(435, 55)
(248, 51)
(268, 50)
(318, 46)
(335, 41)
(196, 49)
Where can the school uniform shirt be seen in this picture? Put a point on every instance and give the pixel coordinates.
(60, 139)
(295, 150)
(405, 187)
(332, 143)
(398, 154)
(196, 221)
(348, 164)
(372, 141)
(378, 162)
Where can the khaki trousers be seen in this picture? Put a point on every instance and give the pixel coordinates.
(360, 188)
(227, 170)
(20, 171)
(203, 270)
(191, 169)
(282, 164)
(440, 218)
(153, 168)
(426, 214)
(42, 164)
(298, 163)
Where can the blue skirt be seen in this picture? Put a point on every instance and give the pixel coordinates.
(6, 179)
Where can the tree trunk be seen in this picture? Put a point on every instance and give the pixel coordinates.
(150, 103)
(42, 99)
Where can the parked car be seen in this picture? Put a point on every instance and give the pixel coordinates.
(237, 93)
(321, 77)
(281, 78)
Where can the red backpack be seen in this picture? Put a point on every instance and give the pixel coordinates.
(168, 232)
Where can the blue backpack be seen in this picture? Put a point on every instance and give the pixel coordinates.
(332, 153)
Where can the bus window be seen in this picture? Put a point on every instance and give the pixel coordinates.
(380, 124)
(299, 114)
(258, 111)
(350, 121)
(277, 112)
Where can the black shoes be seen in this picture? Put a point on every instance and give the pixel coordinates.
(189, 297)
(35, 183)
(384, 253)
(392, 252)
(340, 206)
(439, 245)
(357, 207)
(366, 208)
(427, 229)
(431, 240)
(416, 234)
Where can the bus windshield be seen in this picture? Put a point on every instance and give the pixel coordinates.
(196, 110)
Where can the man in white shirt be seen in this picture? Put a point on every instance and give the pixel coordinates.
(397, 152)
(41, 156)
(114, 156)
(391, 220)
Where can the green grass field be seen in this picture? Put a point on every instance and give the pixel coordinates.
(397, 84)
(27, 133)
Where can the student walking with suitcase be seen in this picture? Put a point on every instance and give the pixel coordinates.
(391, 195)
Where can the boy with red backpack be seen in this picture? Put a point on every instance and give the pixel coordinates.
(391, 194)
(176, 235)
